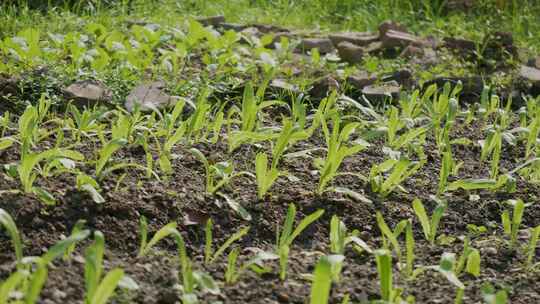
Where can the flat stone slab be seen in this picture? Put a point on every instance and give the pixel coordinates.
(324, 45)
(381, 92)
(392, 39)
(356, 38)
(211, 20)
(149, 96)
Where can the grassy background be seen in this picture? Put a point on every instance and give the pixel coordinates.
(426, 17)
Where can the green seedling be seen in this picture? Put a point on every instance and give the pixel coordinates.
(288, 235)
(89, 185)
(339, 239)
(265, 176)
(7, 222)
(531, 248)
(446, 267)
(30, 161)
(105, 155)
(469, 260)
(98, 289)
(511, 227)
(389, 235)
(163, 232)
(75, 231)
(322, 282)
(400, 171)
(491, 296)
(217, 175)
(209, 255)
(336, 151)
(389, 294)
(429, 226)
(233, 273)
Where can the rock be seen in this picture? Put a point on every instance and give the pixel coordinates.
(268, 28)
(530, 74)
(278, 36)
(232, 26)
(412, 51)
(149, 96)
(9, 85)
(374, 48)
(322, 87)
(360, 80)
(324, 45)
(531, 80)
(350, 52)
(211, 20)
(87, 93)
(391, 25)
(382, 92)
(403, 77)
(356, 38)
(534, 62)
(392, 39)
(499, 46)
(472, 86)
(462, 46)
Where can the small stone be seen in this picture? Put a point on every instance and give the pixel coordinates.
(390, 25)
(322, 87)
(149, 96)
(87, 92)
(403, 77)
(356, 38)
(324, 45)
(392, 39)
(211, 20)
(350, 52)
(382, 92)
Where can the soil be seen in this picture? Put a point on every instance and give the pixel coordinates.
(183, 195)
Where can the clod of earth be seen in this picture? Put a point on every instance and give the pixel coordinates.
(149, 96)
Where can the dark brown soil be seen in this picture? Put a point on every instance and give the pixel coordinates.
(183, 195)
